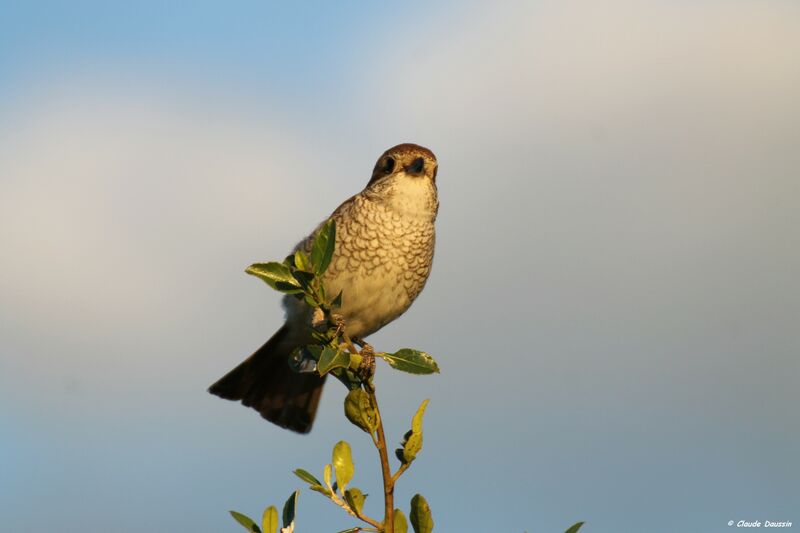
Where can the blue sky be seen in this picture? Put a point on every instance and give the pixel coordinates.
(613, 304)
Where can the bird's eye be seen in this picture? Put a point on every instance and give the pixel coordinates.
(388, 165)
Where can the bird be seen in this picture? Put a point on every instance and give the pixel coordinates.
(381, 261)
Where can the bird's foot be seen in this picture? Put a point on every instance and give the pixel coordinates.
(338, 321)
(363, 344)
(367, 368)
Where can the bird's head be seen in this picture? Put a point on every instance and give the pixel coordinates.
(409, 159)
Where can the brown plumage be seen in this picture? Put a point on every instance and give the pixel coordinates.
(265, 382)
(383, 255)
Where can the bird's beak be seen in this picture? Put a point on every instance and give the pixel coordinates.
(416, 168)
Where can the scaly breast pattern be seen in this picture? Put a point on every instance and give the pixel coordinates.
(382, 260)
(383, 255)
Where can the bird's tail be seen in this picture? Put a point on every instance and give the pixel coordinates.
(265, 382)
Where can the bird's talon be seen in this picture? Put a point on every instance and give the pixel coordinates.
(338, 321)
(363, 344)
(367, 368)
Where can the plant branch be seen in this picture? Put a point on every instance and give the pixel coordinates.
(388, 481)
(349, 343)
(353, 512)
(400, 471)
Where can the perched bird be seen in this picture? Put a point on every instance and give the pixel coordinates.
(381, 261)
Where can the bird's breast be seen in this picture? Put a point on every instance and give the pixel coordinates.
(381, 262)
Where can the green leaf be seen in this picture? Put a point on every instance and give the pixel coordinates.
(326, 475)
(276, 275)
(301, 261)
(331, 358)
(412, 443)
(400, 523)
(315, 350)
(305, 358)
(321, 294)
(416, 422)
(269, 522)
(355, 499)
(303, 279)
(359, 410)
(574, 528)
(343, 463)
(246, 521)
(411, 361)
(307, 476)
(421, 519)
(322, 247)
(337, 302)
(348, 378)
(322, 490)
(289, 509)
